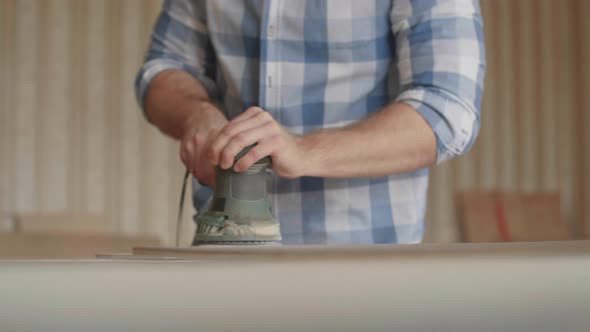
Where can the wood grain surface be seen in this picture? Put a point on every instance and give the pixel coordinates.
(410, 251)
(66, 246)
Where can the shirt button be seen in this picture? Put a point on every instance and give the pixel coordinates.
(271, 31)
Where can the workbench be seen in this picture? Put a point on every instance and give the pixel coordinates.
(452, 287)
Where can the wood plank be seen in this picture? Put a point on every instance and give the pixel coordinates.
(7, 83)
(586, 85)
(505, 111)
(365, 252)
(564, 44)
(95, 108)
(131, 257)
(527, 127)
(62, 223)
(45, 246)
(75, 193)
(25, 103)
(156, 187)
(441, 216)
(547, 66)
(509, 216)
(488, 119)
(53, 112)
(581, 26)
(129, 57)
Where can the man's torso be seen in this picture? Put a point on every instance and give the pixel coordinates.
(313, 65)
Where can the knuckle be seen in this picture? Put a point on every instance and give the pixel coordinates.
(239, 138)
(265, 116)
(199, 139)
(227, 131)
(187, 145)
(211, 152)
(225, 156)
(255, 154)
(273, 126)
(212, 132)
(194, 137)
(210, 155)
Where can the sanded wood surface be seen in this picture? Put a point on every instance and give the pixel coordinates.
(314, 252)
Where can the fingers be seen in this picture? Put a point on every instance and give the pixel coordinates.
(196, 158)
(247, 114)
(252, 126)
(192, 155)
(207, 175)
(252, 118)
(241, 141)
(186, 152)
(264, 148)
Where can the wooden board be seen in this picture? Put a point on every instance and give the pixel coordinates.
(413, 251)
(510, 217)
(62, 223)
(131, 257)
(43, 246)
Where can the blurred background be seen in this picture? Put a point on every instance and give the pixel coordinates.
(74, 147)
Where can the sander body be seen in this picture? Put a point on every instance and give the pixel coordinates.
(240, 212)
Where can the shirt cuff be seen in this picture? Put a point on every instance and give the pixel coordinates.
(454, 123)
(151, 68)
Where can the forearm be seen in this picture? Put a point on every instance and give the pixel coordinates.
(395, 139)
(176, 102)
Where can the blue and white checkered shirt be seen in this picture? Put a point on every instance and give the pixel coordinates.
(322, 64)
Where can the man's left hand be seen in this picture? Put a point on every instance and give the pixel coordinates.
(289, 160)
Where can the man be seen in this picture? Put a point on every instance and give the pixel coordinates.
(352, 100)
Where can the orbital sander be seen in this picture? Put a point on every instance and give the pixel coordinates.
(240, 211)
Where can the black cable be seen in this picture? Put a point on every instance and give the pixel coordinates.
(181, 208)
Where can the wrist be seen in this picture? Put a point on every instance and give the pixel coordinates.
(312, 156)
(203, 116)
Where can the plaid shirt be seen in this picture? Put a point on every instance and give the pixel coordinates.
(322, 64)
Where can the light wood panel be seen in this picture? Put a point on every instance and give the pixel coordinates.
(73, 139)
(585, 122)
(94, 142)
(39, 245)
(534, 112)
(6, 114)
(24, 105)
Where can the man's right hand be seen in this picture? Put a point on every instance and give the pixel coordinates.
(198, 132)
(179, 106)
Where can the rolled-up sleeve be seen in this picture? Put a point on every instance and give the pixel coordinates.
(179, 40)
(441, 64)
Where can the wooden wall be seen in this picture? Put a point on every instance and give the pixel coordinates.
(72, 138)
(532, 136)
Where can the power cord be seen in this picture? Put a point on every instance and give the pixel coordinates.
(181, 208)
